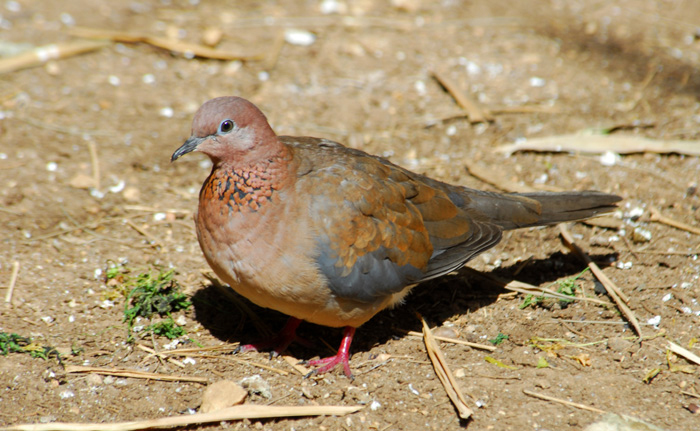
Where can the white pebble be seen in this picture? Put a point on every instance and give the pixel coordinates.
(374, 405)
(667, 297)
(537, 82)
(66, 394)
(624, 265)
(159, 216)
(654, 321)
(181, 320)
(636, 212)
(51, 166)
(71, 318)
(13, 6)
(166, 112)
(98, 273)
(332, 6)
(410, 388)
(685, 285)
(451, 130)
(472, 68)
(420, 87)
(118, 187)
(541, 179)
(106, 304)
(299, 37)
(149, 78)
(609, 158)
(171, 345)
(263, 76)
(47, 319)
(67, 19)
(189, 361)
(114, 80)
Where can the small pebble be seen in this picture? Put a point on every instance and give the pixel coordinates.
(654, 321)
(640, 235)
(446, 332)
(212, 36)
(299, 37)
(93, 379)
(609, 158)
(257, 385)
(617, 344)
(537, 82)
(222, 394)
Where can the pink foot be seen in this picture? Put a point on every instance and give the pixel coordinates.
(279, 342)
(342, 357)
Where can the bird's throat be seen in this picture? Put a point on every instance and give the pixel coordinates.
(243, 189)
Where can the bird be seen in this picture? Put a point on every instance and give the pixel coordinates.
(333, 235)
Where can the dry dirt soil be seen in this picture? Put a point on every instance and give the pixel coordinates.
(543, 68)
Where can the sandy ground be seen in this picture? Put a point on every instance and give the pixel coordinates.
(365, 80)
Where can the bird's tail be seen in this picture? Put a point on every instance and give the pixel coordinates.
(544, 208)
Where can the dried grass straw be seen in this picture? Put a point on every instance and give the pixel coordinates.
(443, 372)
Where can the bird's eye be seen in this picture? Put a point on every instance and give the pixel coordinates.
(226, 126)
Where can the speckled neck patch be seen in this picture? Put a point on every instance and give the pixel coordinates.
(241, 188)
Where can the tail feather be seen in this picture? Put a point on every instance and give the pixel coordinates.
(569, 206)
(517, 210)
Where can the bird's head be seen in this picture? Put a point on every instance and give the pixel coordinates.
(230, 130)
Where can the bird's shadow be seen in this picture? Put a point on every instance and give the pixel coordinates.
(436, 300)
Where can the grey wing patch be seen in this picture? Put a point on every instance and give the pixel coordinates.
(443, 261)
(372, 276)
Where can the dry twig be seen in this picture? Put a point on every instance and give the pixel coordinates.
(455, 341)
(614, 292)
(164, 43)
(42, 54)
(687, 354)
(294, 362)
(529, 289)
(134, 374)
(560, 401)
(95, 164)
(154, 242)
(160, 355)
(245, 411)
(443, 372)
(13, 282)
(658, 217)
(598, 144)
(475, 113)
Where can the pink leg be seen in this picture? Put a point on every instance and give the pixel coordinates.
(342, 357)
(279, 342)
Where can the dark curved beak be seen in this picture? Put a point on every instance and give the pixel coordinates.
(190, 145)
